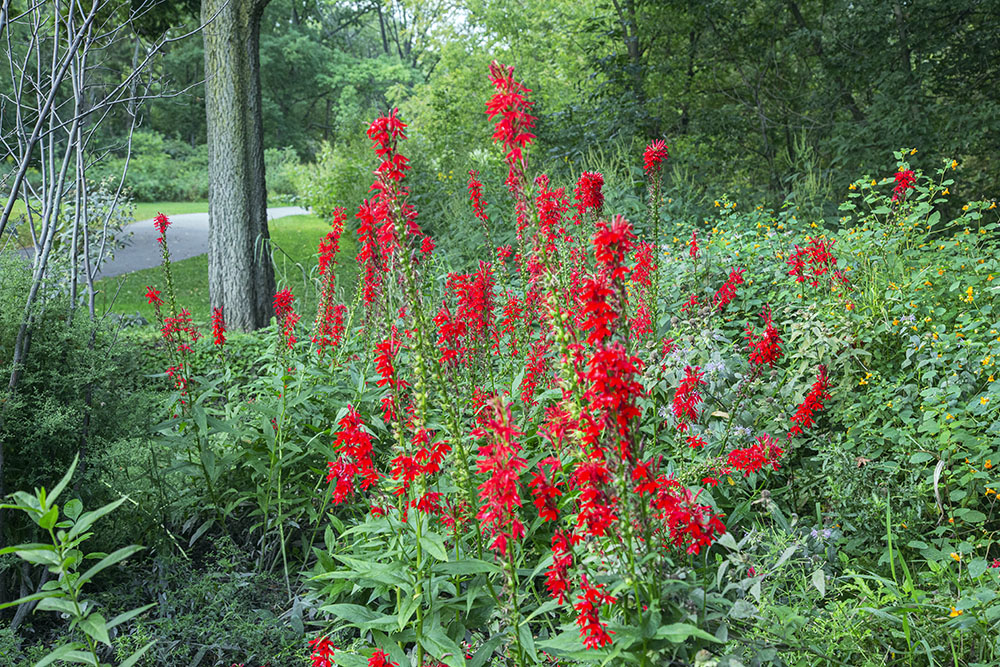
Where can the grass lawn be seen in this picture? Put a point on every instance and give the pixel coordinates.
(294, 240)
(147, 210)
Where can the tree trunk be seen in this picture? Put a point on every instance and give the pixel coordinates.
(240, 272)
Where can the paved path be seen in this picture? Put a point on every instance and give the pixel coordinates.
(187, 237)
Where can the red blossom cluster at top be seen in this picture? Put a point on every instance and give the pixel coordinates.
(904, 181)
(322, 652)
(160, 222)
(654, 157)
(751, 459)
(513, 129)
(813, 403)
(476, 197)
(817, 257)
(218, 326)
(500, 461)
(766, 348)
(386, 221)
(284, 311)
(687, 398)
(727, 292)
(354, 460)
(588, 192)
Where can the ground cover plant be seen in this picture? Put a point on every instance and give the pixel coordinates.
(614, 435)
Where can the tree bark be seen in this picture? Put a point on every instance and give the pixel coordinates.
(240, 272)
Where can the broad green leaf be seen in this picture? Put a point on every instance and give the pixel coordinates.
(69, 653)
(485, 651)
(57, 603)
(466, 566)
(675, 633)
(95, 626)
(819, 581)
(433, 544)
(73, 508)
(443, 647)
(361, 617)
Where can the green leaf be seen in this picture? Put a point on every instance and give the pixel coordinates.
(819, 581)
(73, 508)
(47, 520)
(57, 603)
(63, 482)
(134, 658)
(677, 633)
(921, 457)
(433, 544)
(95, 626)
(68, 652)
(360, 617)
(128, 615)
(26, 598)
(443, 647)
(485, 651)
(977, 567)
(466, 566)
(88, 518)
(107, 561)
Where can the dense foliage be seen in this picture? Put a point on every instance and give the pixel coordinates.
(619, 434)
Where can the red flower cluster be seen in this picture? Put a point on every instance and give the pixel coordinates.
(693, 243)
(687, 398)
(751, 459)
(689, 525)
(160, 222)
(803, 417)
(557, 576)
(499, 460)
(380, 659)
(476, 197)
(816, 256)
(474, 292)
(330, 245)
(153, 297)
(284, 311)
(513, 129)
(354, 446)
(322, 652)
(544, 490)
(180, 331)
(594, 632)
(218, 326)
(727, 292)
(765, 349)
(904, 182)
(588, 192)
(654, 157)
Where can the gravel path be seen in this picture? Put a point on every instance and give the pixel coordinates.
(187, 237)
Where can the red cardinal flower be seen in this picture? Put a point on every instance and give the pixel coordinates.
(654, 157)
(218, 326)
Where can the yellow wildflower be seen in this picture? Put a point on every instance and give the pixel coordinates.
(956, 557)
(852, 186)
(955, 612)
(954, 163)
(965, 208)
(984, 400)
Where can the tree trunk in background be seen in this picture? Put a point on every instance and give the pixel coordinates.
(240, 273)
